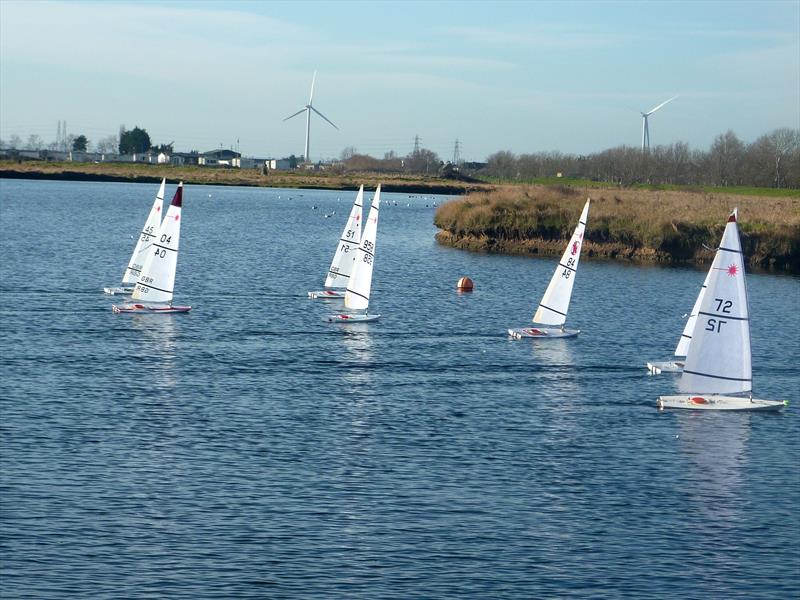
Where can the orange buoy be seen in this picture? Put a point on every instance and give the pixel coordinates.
(464, 284)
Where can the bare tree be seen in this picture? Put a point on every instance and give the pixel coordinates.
(34, 142)
(108, 144)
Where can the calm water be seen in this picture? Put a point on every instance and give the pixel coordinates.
(251, 450)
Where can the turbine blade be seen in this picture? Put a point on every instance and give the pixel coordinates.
(660, 105)
(295, 114)
(313, 79)
(323, 116)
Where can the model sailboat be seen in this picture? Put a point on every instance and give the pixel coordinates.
(718, 370)
(343, 259)
(553, 308)
(676, 366)
(153, 290)
(140, 252)
(356, 298)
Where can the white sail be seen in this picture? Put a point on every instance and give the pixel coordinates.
(148, 234)
(344, 257)
(719, 359)
(157, 279)
(555, 302)
(360, 282)
(686, 337)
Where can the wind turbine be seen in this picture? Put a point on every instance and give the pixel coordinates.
(308, 108)
(646, 129)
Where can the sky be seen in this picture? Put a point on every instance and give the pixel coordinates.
(571, 77)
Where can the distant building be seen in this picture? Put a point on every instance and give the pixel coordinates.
(278, 164)
(221, 157)
(184, 158)
(249, 163)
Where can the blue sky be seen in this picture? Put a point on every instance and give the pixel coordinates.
(519, 76)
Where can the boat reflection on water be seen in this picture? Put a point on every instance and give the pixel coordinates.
(157, 340)
(556, 361)
(715, 448)
(358, 356)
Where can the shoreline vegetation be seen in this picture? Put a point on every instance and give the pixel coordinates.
(637, 224)
(650, 227)
(300, 179)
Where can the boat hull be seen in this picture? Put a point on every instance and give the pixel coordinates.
(671, 366)
(145, 309)
(717, 402)
(327, 295)
(542, 332)
(117, 291)
(347, 318)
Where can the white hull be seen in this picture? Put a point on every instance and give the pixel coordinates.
(349, 318)
(117, 291)
(542, 332)
(717, 402)
(327, 295)
(672, 366)
(149, 309)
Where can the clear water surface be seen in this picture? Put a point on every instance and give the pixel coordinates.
(251, 450)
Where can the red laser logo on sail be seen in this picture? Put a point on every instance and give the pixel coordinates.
(732, 270)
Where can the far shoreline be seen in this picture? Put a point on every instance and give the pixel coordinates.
(391, 183)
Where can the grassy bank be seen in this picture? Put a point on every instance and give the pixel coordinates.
(588, 184)
(391, 182)
(647, 226)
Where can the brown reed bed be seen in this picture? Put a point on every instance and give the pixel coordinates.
(648, 226)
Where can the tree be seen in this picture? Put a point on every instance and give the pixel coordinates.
(165, 148)
(502, 164)
(15, 142)
(423, 161)
(108, 144)
(80, 143)
(348, 153)
(34, 142)
(725, 159)
(134, 141)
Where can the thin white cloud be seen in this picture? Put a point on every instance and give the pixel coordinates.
(534, 35)
(142, 39)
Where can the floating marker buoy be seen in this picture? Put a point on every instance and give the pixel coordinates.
(464, 284)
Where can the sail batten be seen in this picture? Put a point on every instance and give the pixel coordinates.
(718, 360)
(358, 287)
(157, 278)
(686, 337)
(146, 236)
(344, 257)
(554, 305)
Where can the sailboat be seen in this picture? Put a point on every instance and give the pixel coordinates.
(719, 361)
(343, 258)
(140, 252)
(553, 308)
(676, 366)
(153, 290)
(356, 298)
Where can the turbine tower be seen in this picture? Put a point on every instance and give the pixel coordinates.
(308, 108)
(646, 129)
